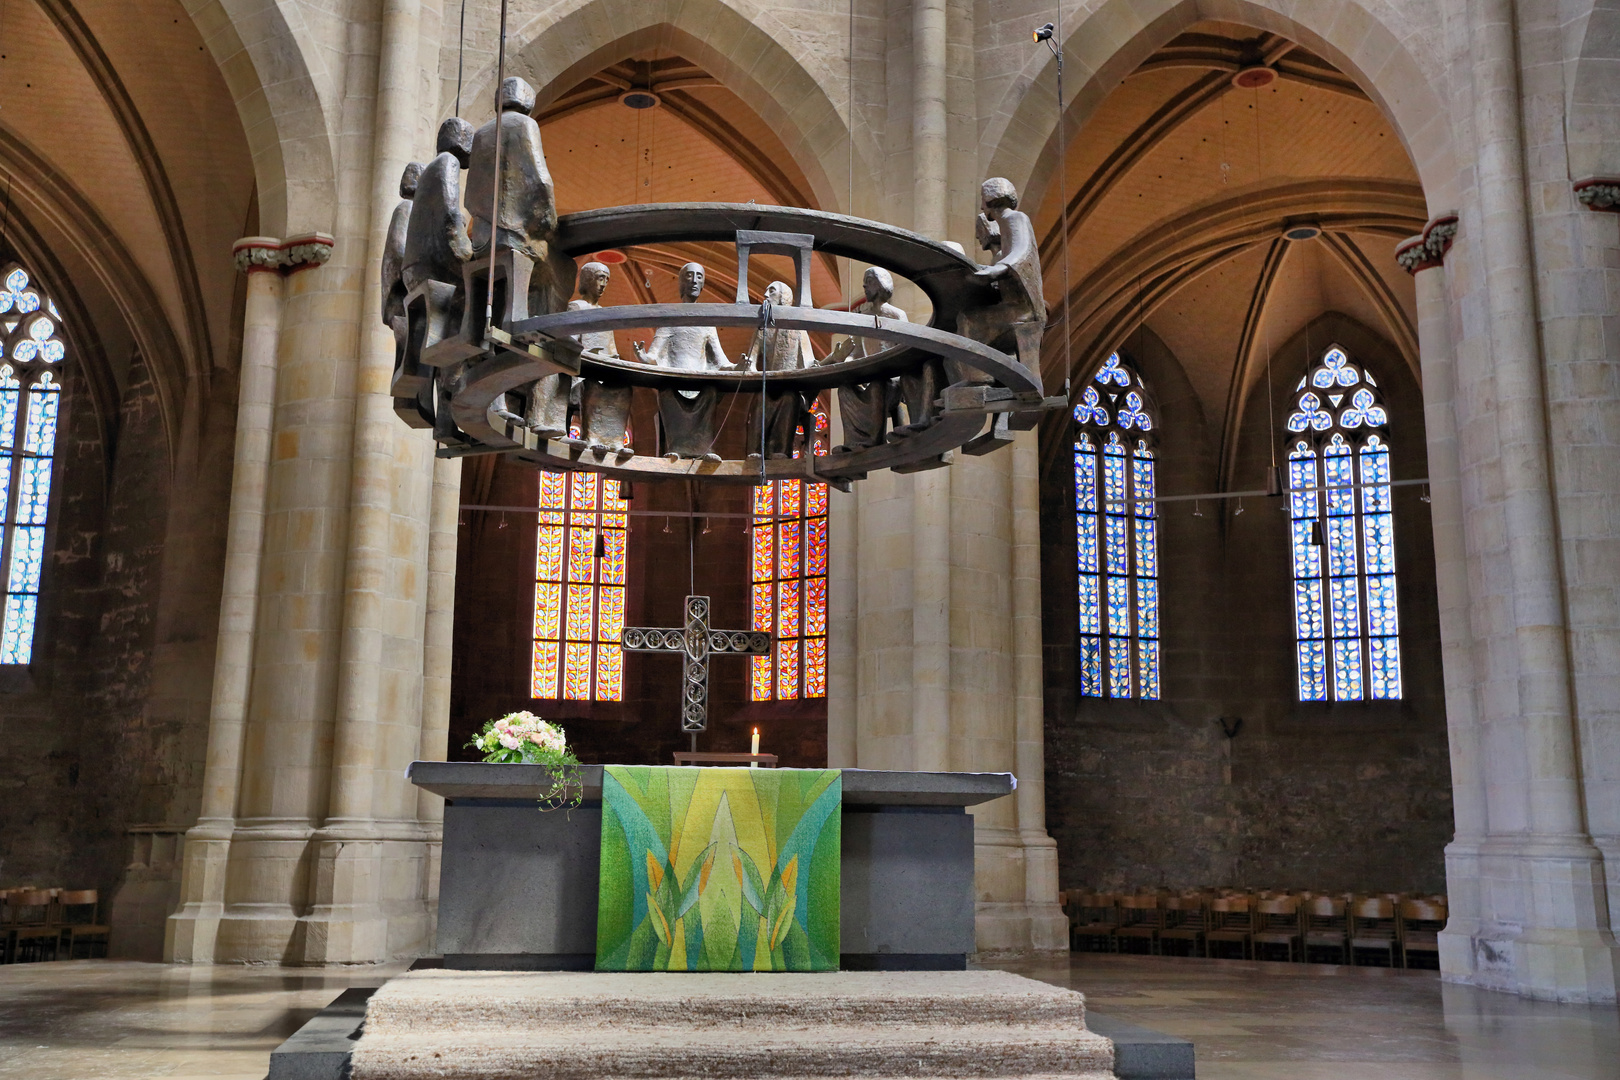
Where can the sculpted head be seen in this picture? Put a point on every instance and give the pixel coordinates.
(998, 195)
(517, 95)
(691, 281)
(409, 179)
(593, 281)
(779, 293)
(456, 137)
(879, 285)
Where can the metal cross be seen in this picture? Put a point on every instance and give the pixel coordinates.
(697, 642)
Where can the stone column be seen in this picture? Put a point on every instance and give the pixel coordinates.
(347, 923)
(190, 932)
(931, 490)
(843, 620)
(1544, 920)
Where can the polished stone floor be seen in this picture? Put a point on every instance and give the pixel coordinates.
(1255, 1021)
(1277, 1021)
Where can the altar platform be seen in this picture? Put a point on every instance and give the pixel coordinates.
(518, 888)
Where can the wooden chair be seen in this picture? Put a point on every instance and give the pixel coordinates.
(1374, 928)
(1324, 926)
(1421, 923)
(1140, 919)
(1093, 918)
(81, 928)
(1276, 923)
(1186, 918)
(32, 931)
(1231, 920)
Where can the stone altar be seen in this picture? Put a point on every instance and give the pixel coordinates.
(518, 888)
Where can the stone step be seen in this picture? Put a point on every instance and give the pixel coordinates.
(764, 1051)
(510, 1003)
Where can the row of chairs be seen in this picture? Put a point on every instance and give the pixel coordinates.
(1389, 929)
(50, 924)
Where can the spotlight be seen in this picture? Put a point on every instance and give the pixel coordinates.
(1318, 538)
(1045, 33)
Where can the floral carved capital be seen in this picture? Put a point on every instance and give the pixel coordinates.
(1427, 249)
(266, 254)
(1599, 193)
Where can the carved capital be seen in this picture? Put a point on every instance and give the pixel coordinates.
(266, 254)
(1599, 193)
(1427, 249)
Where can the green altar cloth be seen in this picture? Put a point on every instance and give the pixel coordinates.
(707, 869)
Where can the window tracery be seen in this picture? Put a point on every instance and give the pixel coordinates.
(788, 579)
(1116, 533)
(580, 554)
(1342, 535)
(31, 349)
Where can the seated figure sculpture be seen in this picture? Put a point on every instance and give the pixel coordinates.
(436, 243)
(407, 384)
(777, 417)
(604, 406)
(1017, 322)
(865, 411)
(687, 416)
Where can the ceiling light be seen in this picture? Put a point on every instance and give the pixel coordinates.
(1303, 232)
(610, 257)
(1254, 78)
(640, 99)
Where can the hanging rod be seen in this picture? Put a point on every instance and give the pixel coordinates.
(1214, 496)
(629, 513)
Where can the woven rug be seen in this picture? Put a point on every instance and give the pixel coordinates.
(719, 869)
(456, 1025)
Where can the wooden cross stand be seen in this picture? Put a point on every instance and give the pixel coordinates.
(697, 642)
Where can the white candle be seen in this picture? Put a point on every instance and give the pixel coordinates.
(755, 750)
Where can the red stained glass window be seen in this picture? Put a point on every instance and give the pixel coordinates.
(579, 588)
(788, 578)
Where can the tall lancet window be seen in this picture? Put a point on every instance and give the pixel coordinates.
(579, 588)
(1116, 530)
(789, 579)
(1343, 536)
(31, 352)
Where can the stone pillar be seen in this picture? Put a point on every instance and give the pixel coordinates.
(347, 922)
(1543, 928)
(931, 490)
(843, 620)
(191, 931)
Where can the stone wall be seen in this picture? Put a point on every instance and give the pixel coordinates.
(1306, 795)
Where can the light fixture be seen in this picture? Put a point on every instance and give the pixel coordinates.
(1274, 481)
(1045, 33)
(610, 257)
(1303, 232)
(1254, 78)
(1197, 512)
(640, 99)
(1239, 509)
(1318, 537)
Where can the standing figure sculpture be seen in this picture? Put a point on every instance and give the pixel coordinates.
(687, 416)
(865, 410)
(436, 244)
(531, 275)
(777, 417)
(604, 406)
(1017, 322)
(407, 385)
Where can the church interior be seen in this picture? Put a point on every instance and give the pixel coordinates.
(1289, 600)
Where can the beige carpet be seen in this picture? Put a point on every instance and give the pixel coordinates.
(588, 1026)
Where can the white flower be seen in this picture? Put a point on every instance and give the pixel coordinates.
(508, 740)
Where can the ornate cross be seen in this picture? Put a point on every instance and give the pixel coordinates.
(697, 642)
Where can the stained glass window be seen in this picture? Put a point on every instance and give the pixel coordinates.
(1342, 536)
(31, 349)
(579, 588)
(788, 579)
(1116, 535)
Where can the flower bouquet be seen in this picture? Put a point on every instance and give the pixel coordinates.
(522, 738)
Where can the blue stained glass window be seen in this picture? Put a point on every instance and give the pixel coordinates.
(1342, 535)
(30, 403)
(1116, 537)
